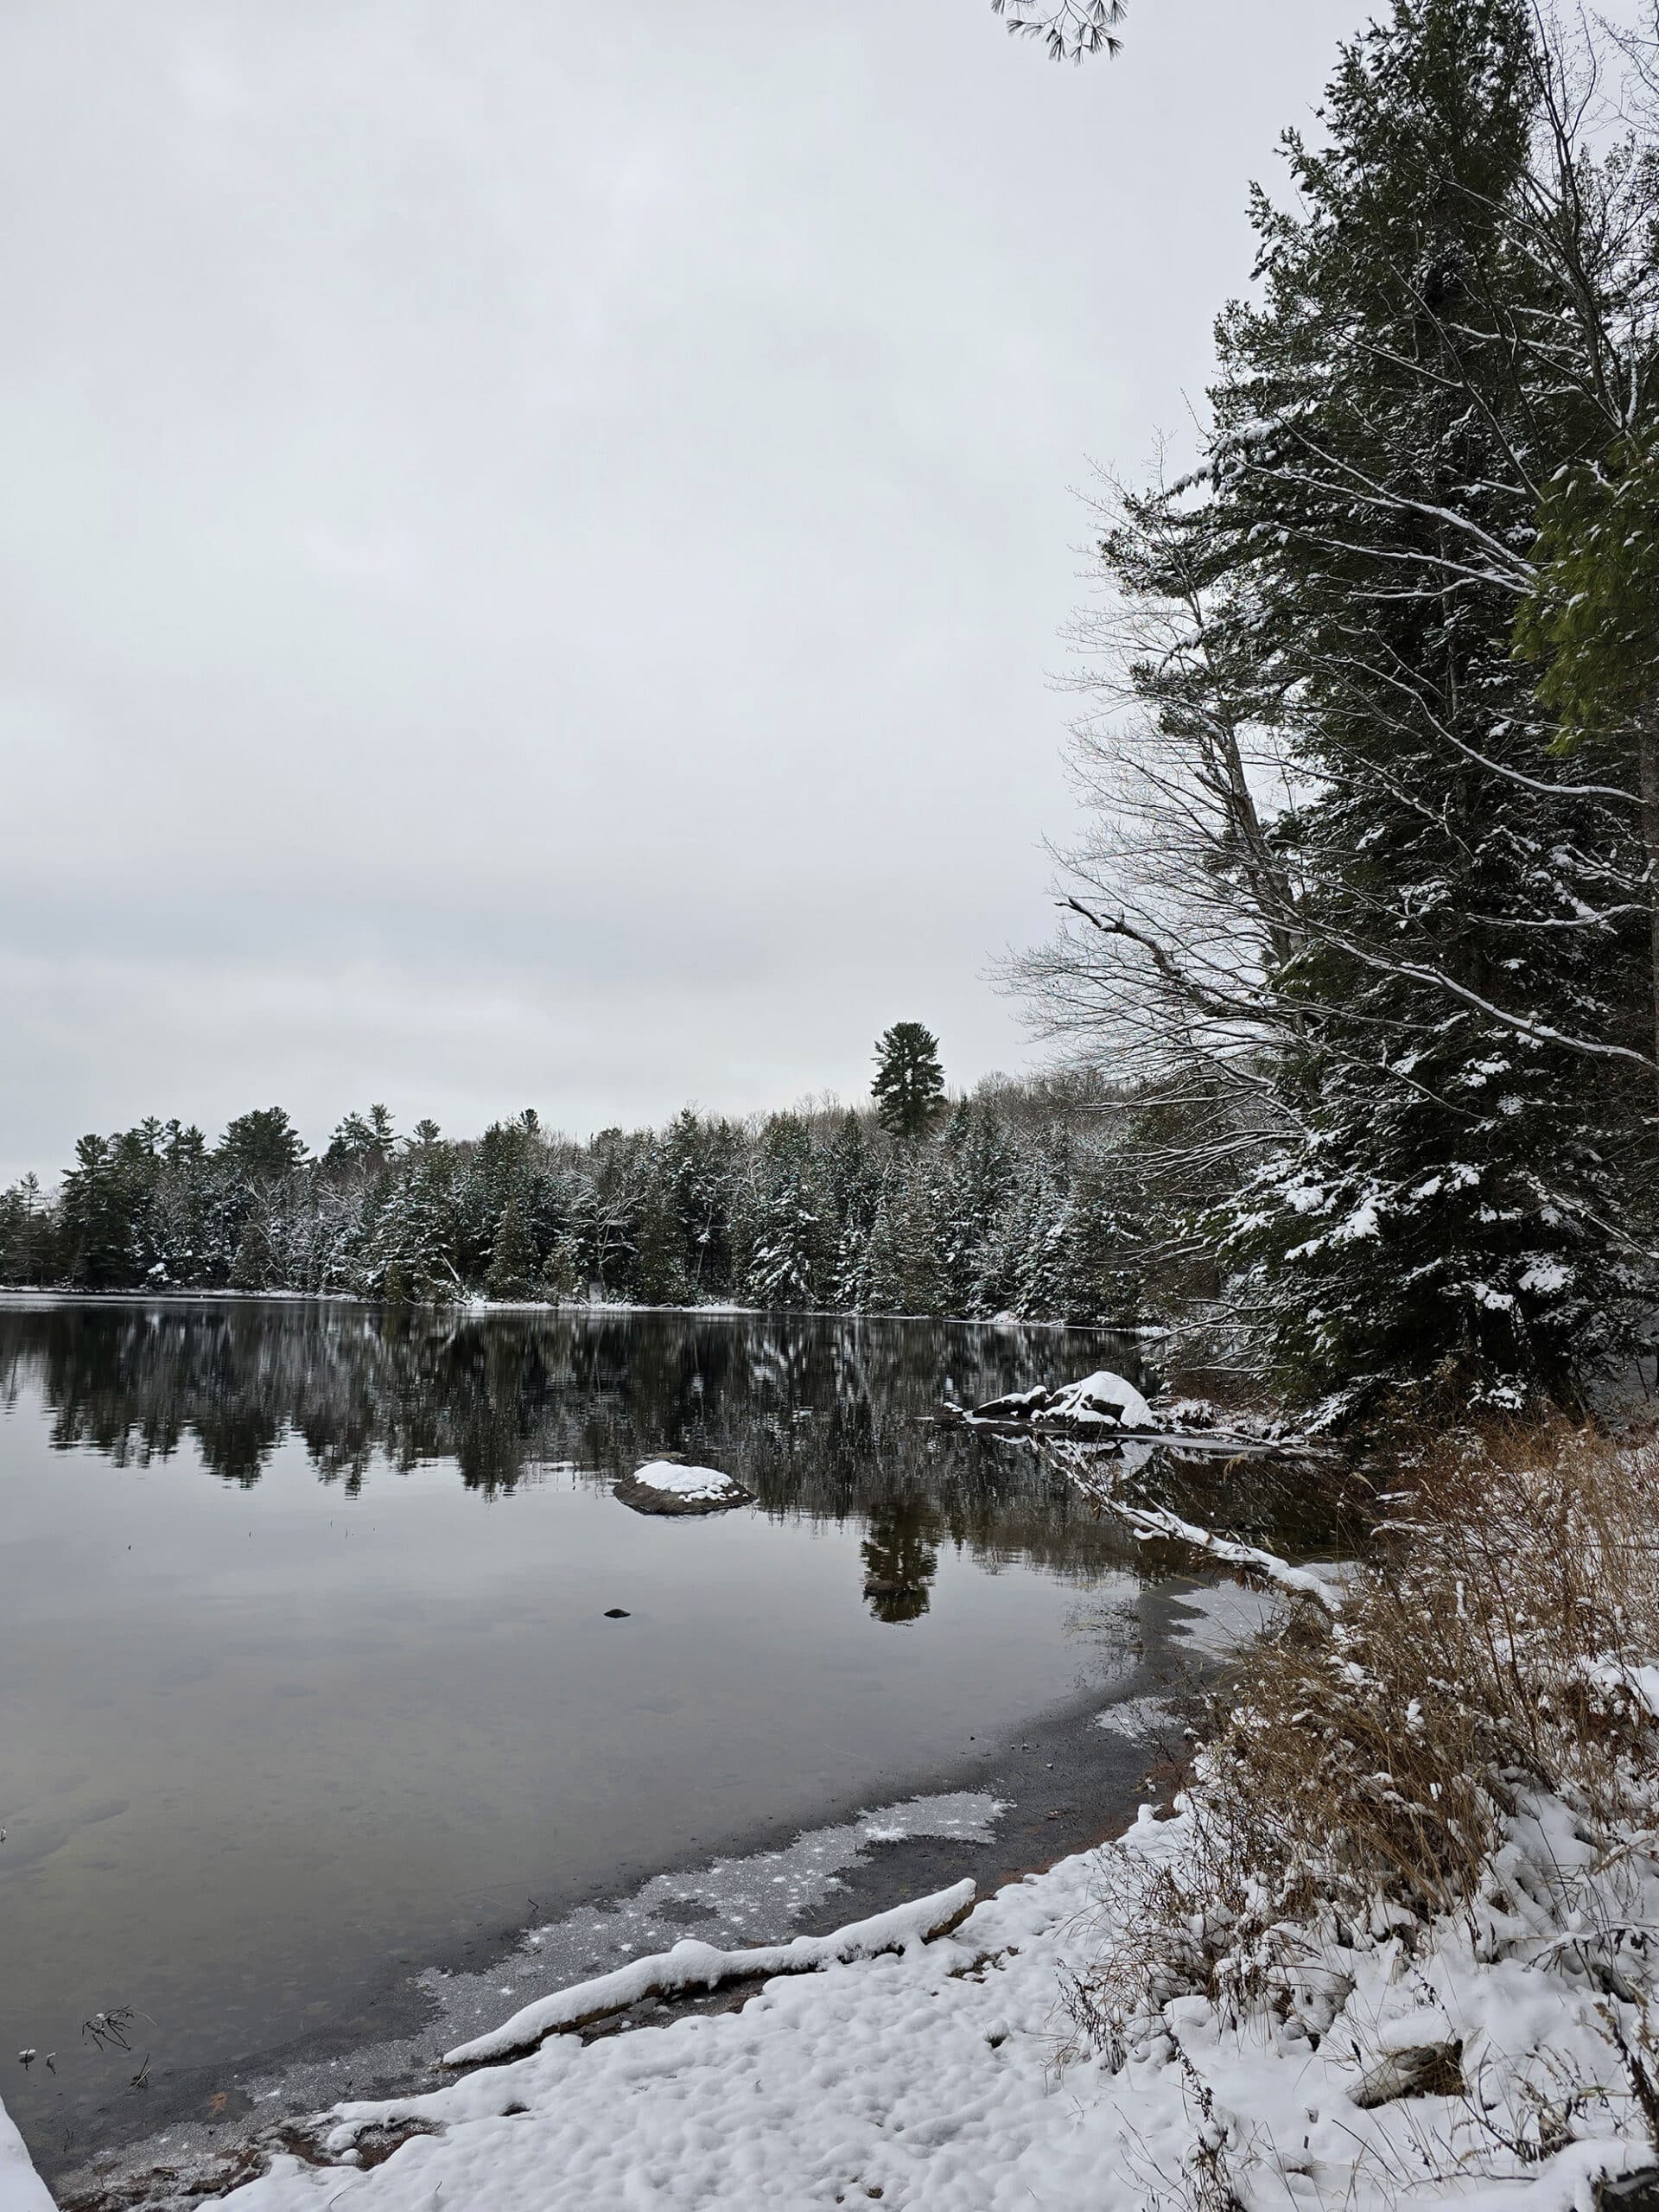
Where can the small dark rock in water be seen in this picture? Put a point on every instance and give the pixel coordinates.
(616, 1613)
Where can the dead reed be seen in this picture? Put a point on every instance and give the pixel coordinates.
(1359, 1766)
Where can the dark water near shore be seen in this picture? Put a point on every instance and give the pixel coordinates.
(305, 1657)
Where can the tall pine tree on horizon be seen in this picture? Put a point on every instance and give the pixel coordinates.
(909, 1085)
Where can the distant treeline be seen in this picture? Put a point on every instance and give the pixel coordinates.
(1019, 1201)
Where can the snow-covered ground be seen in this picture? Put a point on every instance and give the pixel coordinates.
(21, 2188)
(1473, 2065)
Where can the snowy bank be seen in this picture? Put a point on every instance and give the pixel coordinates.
(1396, 1946)
(21, 2188)
(948, 2078)
(691, 1965)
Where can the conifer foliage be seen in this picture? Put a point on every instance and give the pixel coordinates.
(1000, 1212)
(1380, 928)
(909, 1085)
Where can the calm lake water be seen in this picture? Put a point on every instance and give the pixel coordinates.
(307, 1665)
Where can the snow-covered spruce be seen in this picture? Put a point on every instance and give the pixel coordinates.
(665, 1486)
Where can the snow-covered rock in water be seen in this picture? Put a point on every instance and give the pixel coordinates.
(1101, 1401)
(665, 1486)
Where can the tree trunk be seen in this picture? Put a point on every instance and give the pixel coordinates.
(1648, 761)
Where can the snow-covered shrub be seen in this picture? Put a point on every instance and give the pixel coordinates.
(1470, 1739)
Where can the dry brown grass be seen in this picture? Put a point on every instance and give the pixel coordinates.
(1358, 1767)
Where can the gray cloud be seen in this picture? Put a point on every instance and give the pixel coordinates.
(534, 535)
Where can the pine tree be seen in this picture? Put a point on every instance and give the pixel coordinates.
(661, 1278)
(851, 1183)
(263, 1145)
(26, 1233)
(252, 1267)
(976, 1179)
(98, 1208)
(787, 1235)
(512, 1260)
(1592, 620)
(904, 1268)
(1437, 1211)
(409, 1243)
(909, 1085)
(699, 1169)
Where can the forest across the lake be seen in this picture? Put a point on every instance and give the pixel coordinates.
(1016, 1200)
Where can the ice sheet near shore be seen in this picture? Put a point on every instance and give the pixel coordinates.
(946, 2078)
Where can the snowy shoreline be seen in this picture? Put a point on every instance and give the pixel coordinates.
(946, 2076)
(715, 1310)
(1051, 1787)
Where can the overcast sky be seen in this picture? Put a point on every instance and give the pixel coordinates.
(534, 536)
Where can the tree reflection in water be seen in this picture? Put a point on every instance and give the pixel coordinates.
(826, 1417)
(900, 1560)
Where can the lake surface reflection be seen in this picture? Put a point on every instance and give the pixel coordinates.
(305, 1651)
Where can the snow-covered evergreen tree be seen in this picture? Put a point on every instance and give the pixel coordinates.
(409, 1246)
(513, 1268)
(1440, 1210)
(1380, 951)
(785, 1225)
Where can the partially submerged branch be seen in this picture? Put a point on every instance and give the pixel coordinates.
(691, 1965)
(1097, 1473)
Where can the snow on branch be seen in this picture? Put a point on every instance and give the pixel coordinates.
(692, 1965)
(1091, 1472)
(1156, 1524)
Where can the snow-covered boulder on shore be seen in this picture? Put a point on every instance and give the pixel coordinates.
(665, 1486)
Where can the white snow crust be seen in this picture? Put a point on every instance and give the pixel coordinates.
(683, 1482)
(948, 2078)
(21, 2188)
(1080, 1403)
(692, 1965)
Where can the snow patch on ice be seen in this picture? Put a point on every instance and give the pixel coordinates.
(729, 1902)
(1225, 1615)
(1133, 1716)
(692, 1965)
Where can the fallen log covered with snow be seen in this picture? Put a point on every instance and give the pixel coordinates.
(692, 1965)
(1101, 1404)
(1105, 1408)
